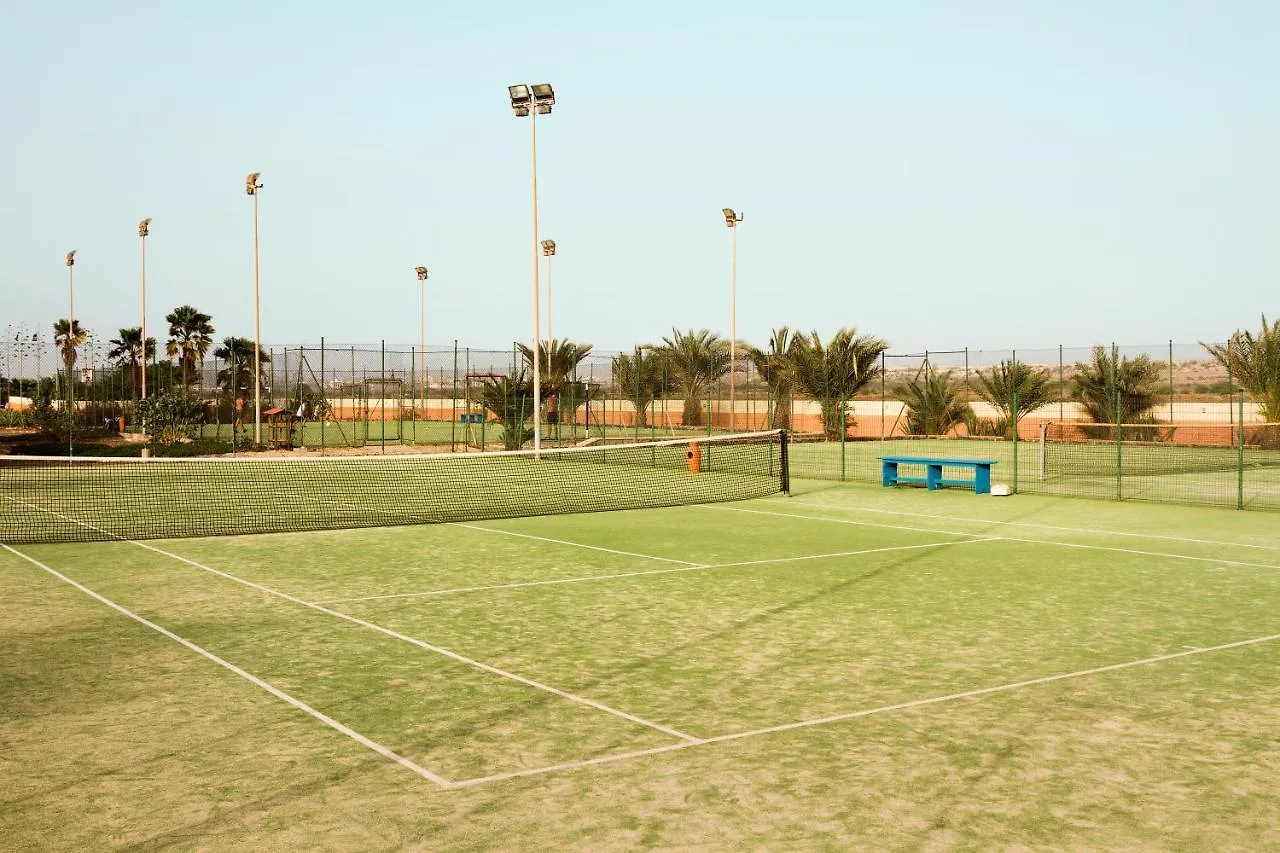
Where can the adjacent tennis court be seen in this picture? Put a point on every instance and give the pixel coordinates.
(848, 666)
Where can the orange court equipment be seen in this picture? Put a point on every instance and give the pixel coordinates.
(695, 457)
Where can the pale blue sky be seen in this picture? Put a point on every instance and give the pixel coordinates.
(989, 174)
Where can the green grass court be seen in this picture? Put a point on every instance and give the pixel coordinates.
(849, 667)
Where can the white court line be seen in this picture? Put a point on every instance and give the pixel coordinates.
(836, 520)
(1038, 526)
(585, 578)
(1112, 549)
(440, 650)
(575, 544)
(853, 715)
(253, 679)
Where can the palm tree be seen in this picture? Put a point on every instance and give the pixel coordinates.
(237, 376)
(1136, 381)
(511, 400)
(1255, 363)
(190, 334)
(833, 373)
(1014, 388)
(558, 361)
(126, 352)
(67, 338)
(774, 367)
(934, 403)
(693, 361)
(641, 378)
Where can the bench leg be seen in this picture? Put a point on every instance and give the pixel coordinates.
(934, 477)
(982, 479)
(889, 474)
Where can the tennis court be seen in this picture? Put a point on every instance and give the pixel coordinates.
(845, 666)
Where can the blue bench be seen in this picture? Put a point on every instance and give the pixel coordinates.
(933, 478)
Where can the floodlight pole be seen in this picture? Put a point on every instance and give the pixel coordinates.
(732, 219)
(144, 228)
(422, 336)
(251, 187)
(549, 252)
(537, 323)
(71, 340)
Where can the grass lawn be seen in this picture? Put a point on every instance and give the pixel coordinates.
(846, 668)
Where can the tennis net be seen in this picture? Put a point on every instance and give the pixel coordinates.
(69, 499)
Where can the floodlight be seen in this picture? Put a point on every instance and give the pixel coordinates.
(251, 185)
(543, 93)
(71, 258)
(422, 273)
(521, 99)
(548, 248)
(144, 227)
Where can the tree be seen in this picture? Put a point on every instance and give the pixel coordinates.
(1137, 380)
(237, 376)
(126, 352)
(934, 404)
(67, 338)
(694, 360)
(511, 401)
(1014, 388)
(774, 367)
(833, 373)
(641, 378)
(558, 361)
(1255, 364)
(190, 335)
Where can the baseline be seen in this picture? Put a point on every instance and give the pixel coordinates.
(853, 715)
(247, 676)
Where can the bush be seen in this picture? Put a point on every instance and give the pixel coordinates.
(170, 418)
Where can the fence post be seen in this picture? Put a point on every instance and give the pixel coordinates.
(323, 396)
(1170, 380)
(1119, 446)
(1014, 415)
(453, 417)
(1240, 458)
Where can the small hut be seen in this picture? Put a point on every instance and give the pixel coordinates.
(279, 428)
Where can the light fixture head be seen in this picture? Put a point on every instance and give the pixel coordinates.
(71, 258)
(521, 99)
(422, 273)
(548, 248)
(251, 185)
(144, 227)
(544, 94)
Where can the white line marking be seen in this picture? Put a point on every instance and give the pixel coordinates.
(574, 544)
(585, 578)
(835, 520)
(440, 650)
(1215, 560)
(1039, 526)
(853, 715)
(253, 679)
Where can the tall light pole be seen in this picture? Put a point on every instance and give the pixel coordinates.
(422, 336)
(533, 101)
(144, 228)
(732, 219)
(71, 342)
(251, 186)
(549, 252)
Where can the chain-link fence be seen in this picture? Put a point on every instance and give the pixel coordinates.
(1161, 423)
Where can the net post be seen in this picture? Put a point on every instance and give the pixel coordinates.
(784, 462)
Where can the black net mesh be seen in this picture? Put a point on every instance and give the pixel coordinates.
(45, 499)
